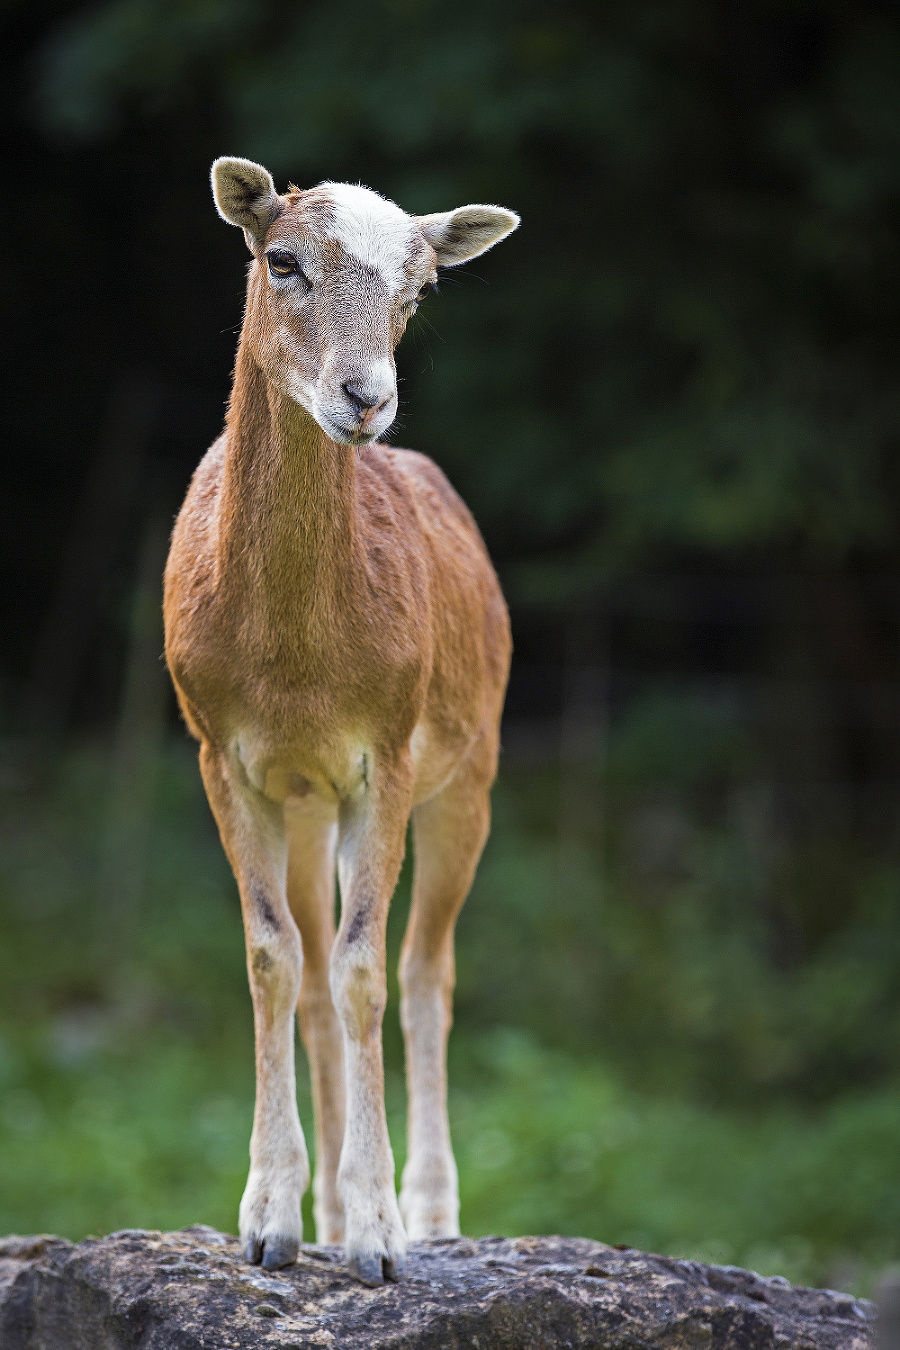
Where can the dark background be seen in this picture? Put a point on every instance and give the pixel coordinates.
(672, 401)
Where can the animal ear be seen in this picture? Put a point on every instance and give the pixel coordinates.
(459, 235)
(245, 195)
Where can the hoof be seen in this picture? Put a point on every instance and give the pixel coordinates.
(271, 1252)
(394, 1268)
(279, 1251)
(374, 1270)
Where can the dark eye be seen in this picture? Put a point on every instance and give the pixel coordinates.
(411, 304)
(282, 264)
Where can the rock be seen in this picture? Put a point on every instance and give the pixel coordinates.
(139, 1290)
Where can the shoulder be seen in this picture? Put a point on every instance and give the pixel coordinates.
(419, 476)
(194, 520)
(207, 476)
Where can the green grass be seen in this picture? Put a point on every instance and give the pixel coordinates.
(126, 1066)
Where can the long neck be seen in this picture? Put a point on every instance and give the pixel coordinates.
(286, 516)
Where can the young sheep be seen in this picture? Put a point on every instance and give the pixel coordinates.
(340, 648)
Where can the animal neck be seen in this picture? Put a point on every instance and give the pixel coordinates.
(287, 510)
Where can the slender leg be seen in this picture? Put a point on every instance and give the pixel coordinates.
(312, 837)
(372, 831)
(449, 832)
(252, 831)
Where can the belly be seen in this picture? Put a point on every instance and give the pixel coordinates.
(344, 766)
(333, 770)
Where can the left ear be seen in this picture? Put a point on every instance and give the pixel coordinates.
(459, 235)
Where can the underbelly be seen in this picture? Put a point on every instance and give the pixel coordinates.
(281, 783)
(345, 769)
(332, 769)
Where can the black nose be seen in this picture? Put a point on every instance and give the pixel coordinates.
(361, 401)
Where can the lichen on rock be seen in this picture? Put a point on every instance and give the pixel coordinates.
(190, 1290)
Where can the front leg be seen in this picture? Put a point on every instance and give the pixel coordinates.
(370, 851)
(253, 835)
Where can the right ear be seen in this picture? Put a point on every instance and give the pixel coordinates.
(245, 196)
(456, 236)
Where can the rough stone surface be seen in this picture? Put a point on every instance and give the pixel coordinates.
(137, 1290)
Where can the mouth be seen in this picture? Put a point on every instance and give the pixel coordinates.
(342, 434)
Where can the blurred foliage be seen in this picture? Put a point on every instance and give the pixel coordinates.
(687, 936)
(620, 1073)
(690, 343)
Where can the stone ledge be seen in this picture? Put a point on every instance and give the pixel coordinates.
(189, 1290)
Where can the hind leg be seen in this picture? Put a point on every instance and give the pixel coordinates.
(312, 837)
(449, 833)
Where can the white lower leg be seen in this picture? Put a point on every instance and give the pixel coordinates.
(374, 1238)
(429, 1196)
(270, 1218)
(322, 1039)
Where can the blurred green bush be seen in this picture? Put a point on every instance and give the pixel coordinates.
(628, 1061)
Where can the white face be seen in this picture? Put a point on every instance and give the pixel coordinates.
(340, 272)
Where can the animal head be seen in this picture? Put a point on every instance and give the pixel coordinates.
(338, 273)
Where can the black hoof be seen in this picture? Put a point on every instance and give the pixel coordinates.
(279, 1251)
(252, 1251)
(374, 1270)
(394, 1270)
(367, 1270)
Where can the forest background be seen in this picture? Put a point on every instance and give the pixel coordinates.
(672, 401)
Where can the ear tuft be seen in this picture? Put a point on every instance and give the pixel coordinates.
(456, 236)
(244, 195)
